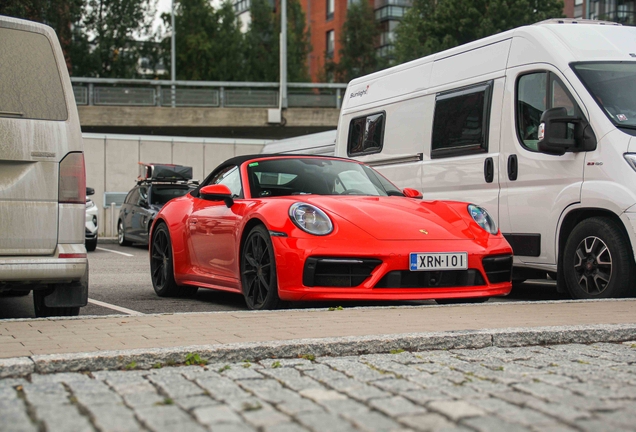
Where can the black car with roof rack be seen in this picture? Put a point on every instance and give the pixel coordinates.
(156, 185)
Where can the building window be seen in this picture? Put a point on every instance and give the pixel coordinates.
(460, 125)
(331, 44)
(366, 134)
(331, 5)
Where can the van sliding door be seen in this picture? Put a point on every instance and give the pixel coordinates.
(464, 147)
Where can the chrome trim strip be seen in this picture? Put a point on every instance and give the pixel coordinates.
(396, 160)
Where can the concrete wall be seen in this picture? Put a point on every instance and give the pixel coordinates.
(128, 116)
(112, 161)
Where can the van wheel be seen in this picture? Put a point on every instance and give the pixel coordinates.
(598, 260)
(43, 311)
(91, 245)
(162, 267)
(121, 237)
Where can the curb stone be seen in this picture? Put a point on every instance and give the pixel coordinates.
(15, 367)
(336, 347)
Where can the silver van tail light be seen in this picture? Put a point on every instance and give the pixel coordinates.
(72, 189)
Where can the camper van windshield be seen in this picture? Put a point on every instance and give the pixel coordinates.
(613, 85)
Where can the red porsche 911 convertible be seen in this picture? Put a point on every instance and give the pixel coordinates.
(298, 228)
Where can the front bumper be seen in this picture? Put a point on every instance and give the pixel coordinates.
(46, 269)
(292, 255)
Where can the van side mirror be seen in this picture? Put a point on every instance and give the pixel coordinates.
(90, 191)
(217, 192)
(412, 193)
(553, 133)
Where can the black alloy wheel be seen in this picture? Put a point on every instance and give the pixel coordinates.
(598, 261)
(121, 237)
(161, 266)
(258, 271)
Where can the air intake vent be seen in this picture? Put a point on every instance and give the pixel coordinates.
(338, 272)
(431, 279)
(498, 268)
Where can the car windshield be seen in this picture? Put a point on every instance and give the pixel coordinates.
(320, 176)
(613, 85)
(162, 194)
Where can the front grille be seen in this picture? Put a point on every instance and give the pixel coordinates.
(431, 279)
(498, 268)
(337, 272)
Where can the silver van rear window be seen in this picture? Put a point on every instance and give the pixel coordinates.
(30, 83)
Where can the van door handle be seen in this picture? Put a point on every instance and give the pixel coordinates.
(513, 167)
(489, 170)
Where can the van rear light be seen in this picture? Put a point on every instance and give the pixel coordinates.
(72, 255)
(72, 189)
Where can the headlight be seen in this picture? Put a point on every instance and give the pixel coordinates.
(631, 159)
(90, 204)
(483, 219)
(310, 219)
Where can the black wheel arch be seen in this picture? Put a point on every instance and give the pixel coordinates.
(249, 226)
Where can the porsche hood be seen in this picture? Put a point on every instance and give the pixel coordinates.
(397, 218)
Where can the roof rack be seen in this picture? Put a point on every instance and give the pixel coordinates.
(165, 173)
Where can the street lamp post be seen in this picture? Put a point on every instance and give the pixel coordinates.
(173, 66)
(283, 54)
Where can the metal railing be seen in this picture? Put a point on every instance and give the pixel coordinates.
(165, 93)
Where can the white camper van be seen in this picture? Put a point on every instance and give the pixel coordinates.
(321, 143)
(537, 124)
(42, 177)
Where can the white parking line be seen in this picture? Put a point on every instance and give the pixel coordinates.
(114, 307)
(117, 252)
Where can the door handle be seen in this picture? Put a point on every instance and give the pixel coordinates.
(489, 170)
(513, 167)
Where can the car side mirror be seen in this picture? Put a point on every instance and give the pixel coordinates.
(412, 193)
(217, 192)
(90, 191)
(553, 133)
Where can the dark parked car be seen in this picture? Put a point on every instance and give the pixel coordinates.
(157, 185)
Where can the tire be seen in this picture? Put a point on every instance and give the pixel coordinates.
(43, 311)
(462, 300)
(121, 237)
(258, 271)
(162, 269)
(91, 244)
(598, 260)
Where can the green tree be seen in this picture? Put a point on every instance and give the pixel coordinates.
(431, 26)
(59, 14)
(262, 42)
(104, 43)
(358, 39)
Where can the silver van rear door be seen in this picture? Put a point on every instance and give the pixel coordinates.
(32, 130)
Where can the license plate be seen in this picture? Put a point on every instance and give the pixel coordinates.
(439, 261)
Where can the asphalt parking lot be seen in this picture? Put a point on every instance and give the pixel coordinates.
(120, 283)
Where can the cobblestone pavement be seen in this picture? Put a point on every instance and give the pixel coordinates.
(550, 388)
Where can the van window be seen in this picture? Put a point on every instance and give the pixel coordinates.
(31, 86)
(366, 134)
(460, 125)
(537, 92)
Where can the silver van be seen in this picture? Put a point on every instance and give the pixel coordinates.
(42, 176)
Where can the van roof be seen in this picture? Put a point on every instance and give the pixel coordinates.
(303, 143)
(558, 41)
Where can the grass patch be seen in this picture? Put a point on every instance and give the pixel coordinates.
(396, 351)
(309, 357)
(224, 368)
(337, 308)
(193, 359)
(130, 366)
(276, 364)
